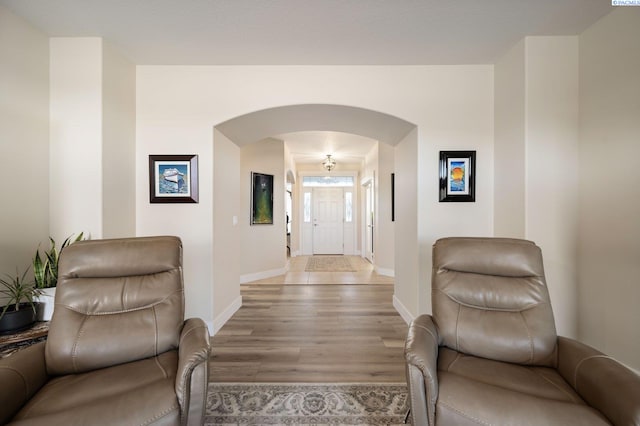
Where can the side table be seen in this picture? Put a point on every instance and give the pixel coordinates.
(11, 343)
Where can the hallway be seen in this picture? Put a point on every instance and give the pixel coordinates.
(306, 327)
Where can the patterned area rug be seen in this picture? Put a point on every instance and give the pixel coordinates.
(329, 264)
(306, 404)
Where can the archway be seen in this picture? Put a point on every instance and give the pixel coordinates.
(245, 130)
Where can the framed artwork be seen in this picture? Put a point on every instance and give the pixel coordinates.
(261, 199)
(393, 197)
(457, 176)
(173, 178)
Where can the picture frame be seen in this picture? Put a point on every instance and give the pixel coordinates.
(393, 197)
(261, 199)
(173, 178)
(457, 176)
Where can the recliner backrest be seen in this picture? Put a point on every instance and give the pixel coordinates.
(117, 301)
(490, 300)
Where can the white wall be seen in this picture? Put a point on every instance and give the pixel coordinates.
(118, 144)
(551, 166)
(451, 105)
(385, 234)
(536, 159)
(509, 144)
(75, 178)
(262, 247)
(225, 264)
(408, 290)
(609, 225)
(24, 141)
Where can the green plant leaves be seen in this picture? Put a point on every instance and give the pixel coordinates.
(46, 271)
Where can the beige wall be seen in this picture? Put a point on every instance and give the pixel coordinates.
(509, 144)
(406, 294)
(537, 146)
(225, 264)
(75, 178)
(24, 141)
(609, 220)
(551, 164)
(118, 144)
(262, 247)
(451, 105)
(384, 255)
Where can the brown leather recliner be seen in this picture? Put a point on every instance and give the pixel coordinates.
(119, 351)
(489, 355)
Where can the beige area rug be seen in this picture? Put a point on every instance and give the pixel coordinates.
(329, 264)
(306, 404)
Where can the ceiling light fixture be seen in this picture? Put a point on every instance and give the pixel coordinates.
(329, 163)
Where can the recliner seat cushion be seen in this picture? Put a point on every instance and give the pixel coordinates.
(475, 390)
(137, 393)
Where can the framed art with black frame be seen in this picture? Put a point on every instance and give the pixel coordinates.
(457, 176)
(261, 199)
(173, 178)
(393, 197)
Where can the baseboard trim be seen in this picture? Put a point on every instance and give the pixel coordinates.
(386, 272)
(222, 319)
(402, 310)
(262, 275)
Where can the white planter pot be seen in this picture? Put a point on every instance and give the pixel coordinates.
(47, 298)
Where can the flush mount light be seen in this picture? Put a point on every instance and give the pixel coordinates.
(329, 163)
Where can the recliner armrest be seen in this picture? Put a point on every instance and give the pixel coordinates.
(192, 377)
(21, 375)
(601, 381)
(421, 355)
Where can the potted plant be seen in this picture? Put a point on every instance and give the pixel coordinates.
(20, 311)
(45, 272)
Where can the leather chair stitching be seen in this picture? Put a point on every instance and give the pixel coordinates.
(463, 414)
(486, 308)
(457, 323)
(140, 308)
(579, 364)
(164, 372)
(526, 326)
(441, 270)
(161, 414)
(412, 395)
(520, 309)
(458, 357)
(425, 329)
(564, 391)
(155, 321)
(74, 350)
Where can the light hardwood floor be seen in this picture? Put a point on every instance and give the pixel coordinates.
(296, 328)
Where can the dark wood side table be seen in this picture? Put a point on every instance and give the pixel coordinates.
(11, 343)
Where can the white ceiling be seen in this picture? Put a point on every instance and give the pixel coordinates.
(313, 147)
(311, 32)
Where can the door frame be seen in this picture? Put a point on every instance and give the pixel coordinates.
(368, 214)
(351, 229)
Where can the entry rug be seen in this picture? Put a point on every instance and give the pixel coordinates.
(329, 264)
(306, 404)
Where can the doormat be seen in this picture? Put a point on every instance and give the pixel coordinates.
(306, 404)
(329, 264)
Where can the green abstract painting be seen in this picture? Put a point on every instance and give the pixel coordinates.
(261, 199)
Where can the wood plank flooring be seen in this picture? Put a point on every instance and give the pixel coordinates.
(311, 334)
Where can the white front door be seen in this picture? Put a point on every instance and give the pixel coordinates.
(328, 221)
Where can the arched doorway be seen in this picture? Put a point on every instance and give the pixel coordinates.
(261, 125)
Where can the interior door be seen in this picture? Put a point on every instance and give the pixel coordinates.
(328, 221)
